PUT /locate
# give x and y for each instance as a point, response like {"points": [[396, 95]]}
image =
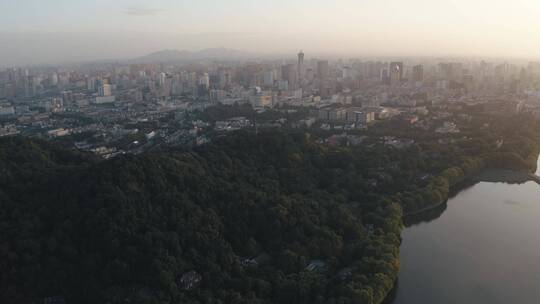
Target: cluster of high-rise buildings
{"points": [[108, 102], [277, 79], [300, 81]]}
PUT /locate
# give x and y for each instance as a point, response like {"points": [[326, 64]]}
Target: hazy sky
{"points": [[36, 31]]}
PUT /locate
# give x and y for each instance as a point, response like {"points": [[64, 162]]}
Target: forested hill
{"points": [[268, 218]]}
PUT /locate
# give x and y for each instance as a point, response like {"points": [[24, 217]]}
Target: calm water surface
{"points": [[482, 247]]}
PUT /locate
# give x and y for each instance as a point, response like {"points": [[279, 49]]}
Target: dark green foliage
{"points": [[126, 230], [520, 144]]}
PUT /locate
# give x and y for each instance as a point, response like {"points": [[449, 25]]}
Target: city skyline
{"points": [[69, 31], [269, 152]]}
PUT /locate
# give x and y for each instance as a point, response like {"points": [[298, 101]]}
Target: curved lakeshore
{"points": [[488, 175], [459, 254], [490, 167], [507, 176]]}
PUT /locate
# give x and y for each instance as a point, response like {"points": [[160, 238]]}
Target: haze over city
{"points": [[65, 31], [269, 152]]}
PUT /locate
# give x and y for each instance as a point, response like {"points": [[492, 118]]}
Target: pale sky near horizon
{"points": [[40, 31]]}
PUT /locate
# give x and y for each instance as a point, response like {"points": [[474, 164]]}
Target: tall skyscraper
{"points": [[323, 69], [418, 73], [288, 73], [396, 73], [385, 78], [225, 78], [268, 78], [300, 68], [162, 79], [91, 84], [204, 81]]}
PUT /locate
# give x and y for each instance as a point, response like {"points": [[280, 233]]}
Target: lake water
{"points": [[483, 246]]}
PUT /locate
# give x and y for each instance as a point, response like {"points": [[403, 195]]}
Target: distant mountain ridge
{"points": [[184, 55]]}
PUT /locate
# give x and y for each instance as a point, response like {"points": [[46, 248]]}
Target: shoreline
{"points": [[485, 174]]}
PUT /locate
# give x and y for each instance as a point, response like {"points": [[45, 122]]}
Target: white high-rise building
{"points": [[105, 90], [204, 80], [162, 79]]}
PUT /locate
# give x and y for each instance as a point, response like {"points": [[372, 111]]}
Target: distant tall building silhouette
{"points": [[288, 73], [418, 73], [162, 79], [396, 73], [300, 68], [323, 70], [385, 78]]}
